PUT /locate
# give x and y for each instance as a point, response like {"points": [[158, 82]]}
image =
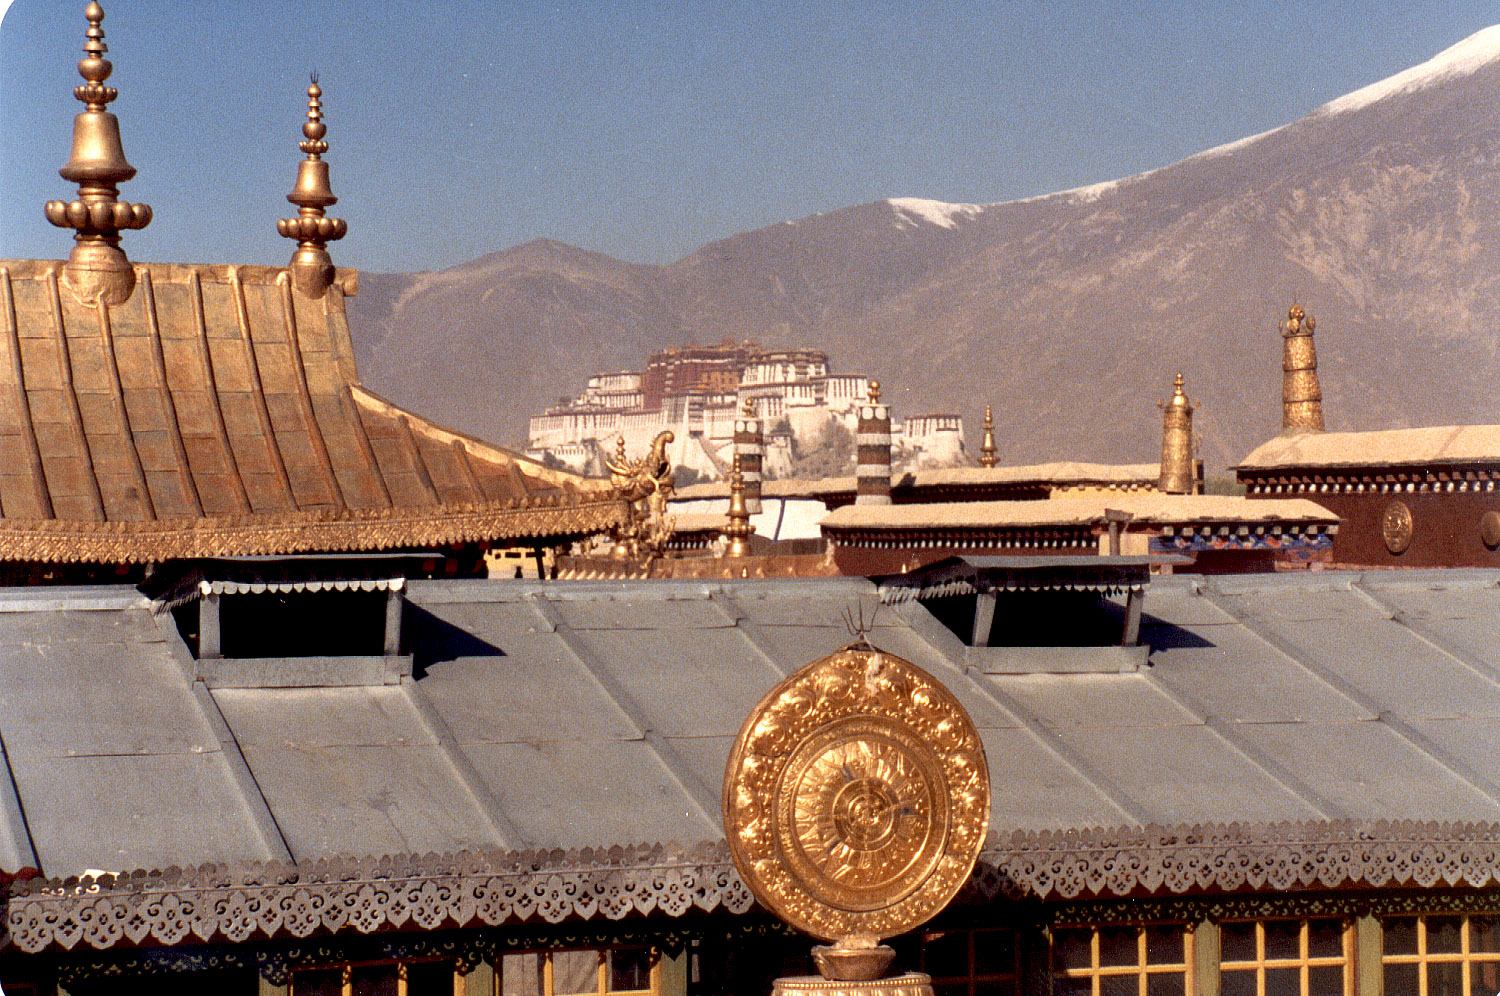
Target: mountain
{"points": [[1380, 212]]}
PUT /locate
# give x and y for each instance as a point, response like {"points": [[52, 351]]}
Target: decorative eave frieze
{"points": [[494, 889], [156, 540], [967, 538], [1369, 480]]}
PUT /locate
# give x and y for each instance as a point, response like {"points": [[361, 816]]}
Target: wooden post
{"points": [[209, 645], [984, 618], [1133, 602], [393, 598], [1369, 979], [1206, 979]]}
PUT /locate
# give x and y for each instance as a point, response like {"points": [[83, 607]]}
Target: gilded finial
{"points": [[1178, 473], [748, 408], [739, 529], [987, 447], [311, 266], [97, 268], [874, 389]]}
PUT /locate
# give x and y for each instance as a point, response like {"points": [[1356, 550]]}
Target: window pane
{"points": [[629, 968], [521, 974], [1443, 934], [1484, 934], [1071, 948], [1328, 980], [1072, 987], [1119, 985], [1006, 988], [575, 972], [1401, 979], [322, 982], [994, 952], [1117, 946], [1284, 982], [1164, 945], [1485, 976], [1445, 978], [1166, 984], [1281, 939], [429, 978], [1237, 942], [1399, 935], [1238, 983], [1325, 938], [950, 988], [373, 980], [945, 953]]}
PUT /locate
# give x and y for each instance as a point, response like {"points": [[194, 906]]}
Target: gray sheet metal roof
{"points": [[594, 714]]}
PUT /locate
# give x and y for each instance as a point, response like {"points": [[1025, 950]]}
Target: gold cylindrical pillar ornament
{"points": [[1301, 397], [97, 268], [1178, 473], [987, 447], [311, 267]]}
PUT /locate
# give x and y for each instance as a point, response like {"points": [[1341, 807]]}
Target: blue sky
{"points": [[645, 130]]}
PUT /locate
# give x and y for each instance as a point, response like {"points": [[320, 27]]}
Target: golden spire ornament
{"points": [[97, 268], [739, 529], [311, 266], [1178, 473], [987, 448]]}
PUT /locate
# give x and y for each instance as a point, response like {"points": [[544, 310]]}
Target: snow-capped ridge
{"points": [[1469, 55], [939, 213]]}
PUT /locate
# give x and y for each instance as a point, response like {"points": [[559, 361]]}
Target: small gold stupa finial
{"points": [[874, 390], [748, 408], [311, 266], [1178, 474], [739, 529], [97, 267], [987, 447]]}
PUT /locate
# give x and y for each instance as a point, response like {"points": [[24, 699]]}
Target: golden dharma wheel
{"points": [[857, 796]]}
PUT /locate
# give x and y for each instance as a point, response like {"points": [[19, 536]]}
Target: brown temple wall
{"points": [[1445, 528]]}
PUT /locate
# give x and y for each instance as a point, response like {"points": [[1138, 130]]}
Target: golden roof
{"points": [[216, 412], [1438, 444]]}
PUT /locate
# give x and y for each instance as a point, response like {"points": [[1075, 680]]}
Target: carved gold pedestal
{"points": [[906, 984]]}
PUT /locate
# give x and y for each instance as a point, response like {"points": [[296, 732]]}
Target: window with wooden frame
{"points": [[1287, 958], [971, 962], [380, 978], [580, 972], [1142, 960], [1441, 955]]}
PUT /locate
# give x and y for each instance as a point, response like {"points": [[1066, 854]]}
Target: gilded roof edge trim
{"points": [[472, 889], [65, 541]]}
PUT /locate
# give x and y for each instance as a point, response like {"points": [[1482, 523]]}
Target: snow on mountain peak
{"points": [[940, 213], [1473, 52]]}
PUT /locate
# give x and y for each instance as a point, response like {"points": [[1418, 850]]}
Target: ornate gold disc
{"points": [[1396, 527], [857, 796]]}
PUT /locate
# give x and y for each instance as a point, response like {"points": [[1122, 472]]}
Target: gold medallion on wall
{"points": [[1396, 527], [856, 798], [1489, 529]]}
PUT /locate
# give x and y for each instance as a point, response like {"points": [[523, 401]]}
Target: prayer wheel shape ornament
{"points": [[1301, 397], [856, 801], [1178, 475]]}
